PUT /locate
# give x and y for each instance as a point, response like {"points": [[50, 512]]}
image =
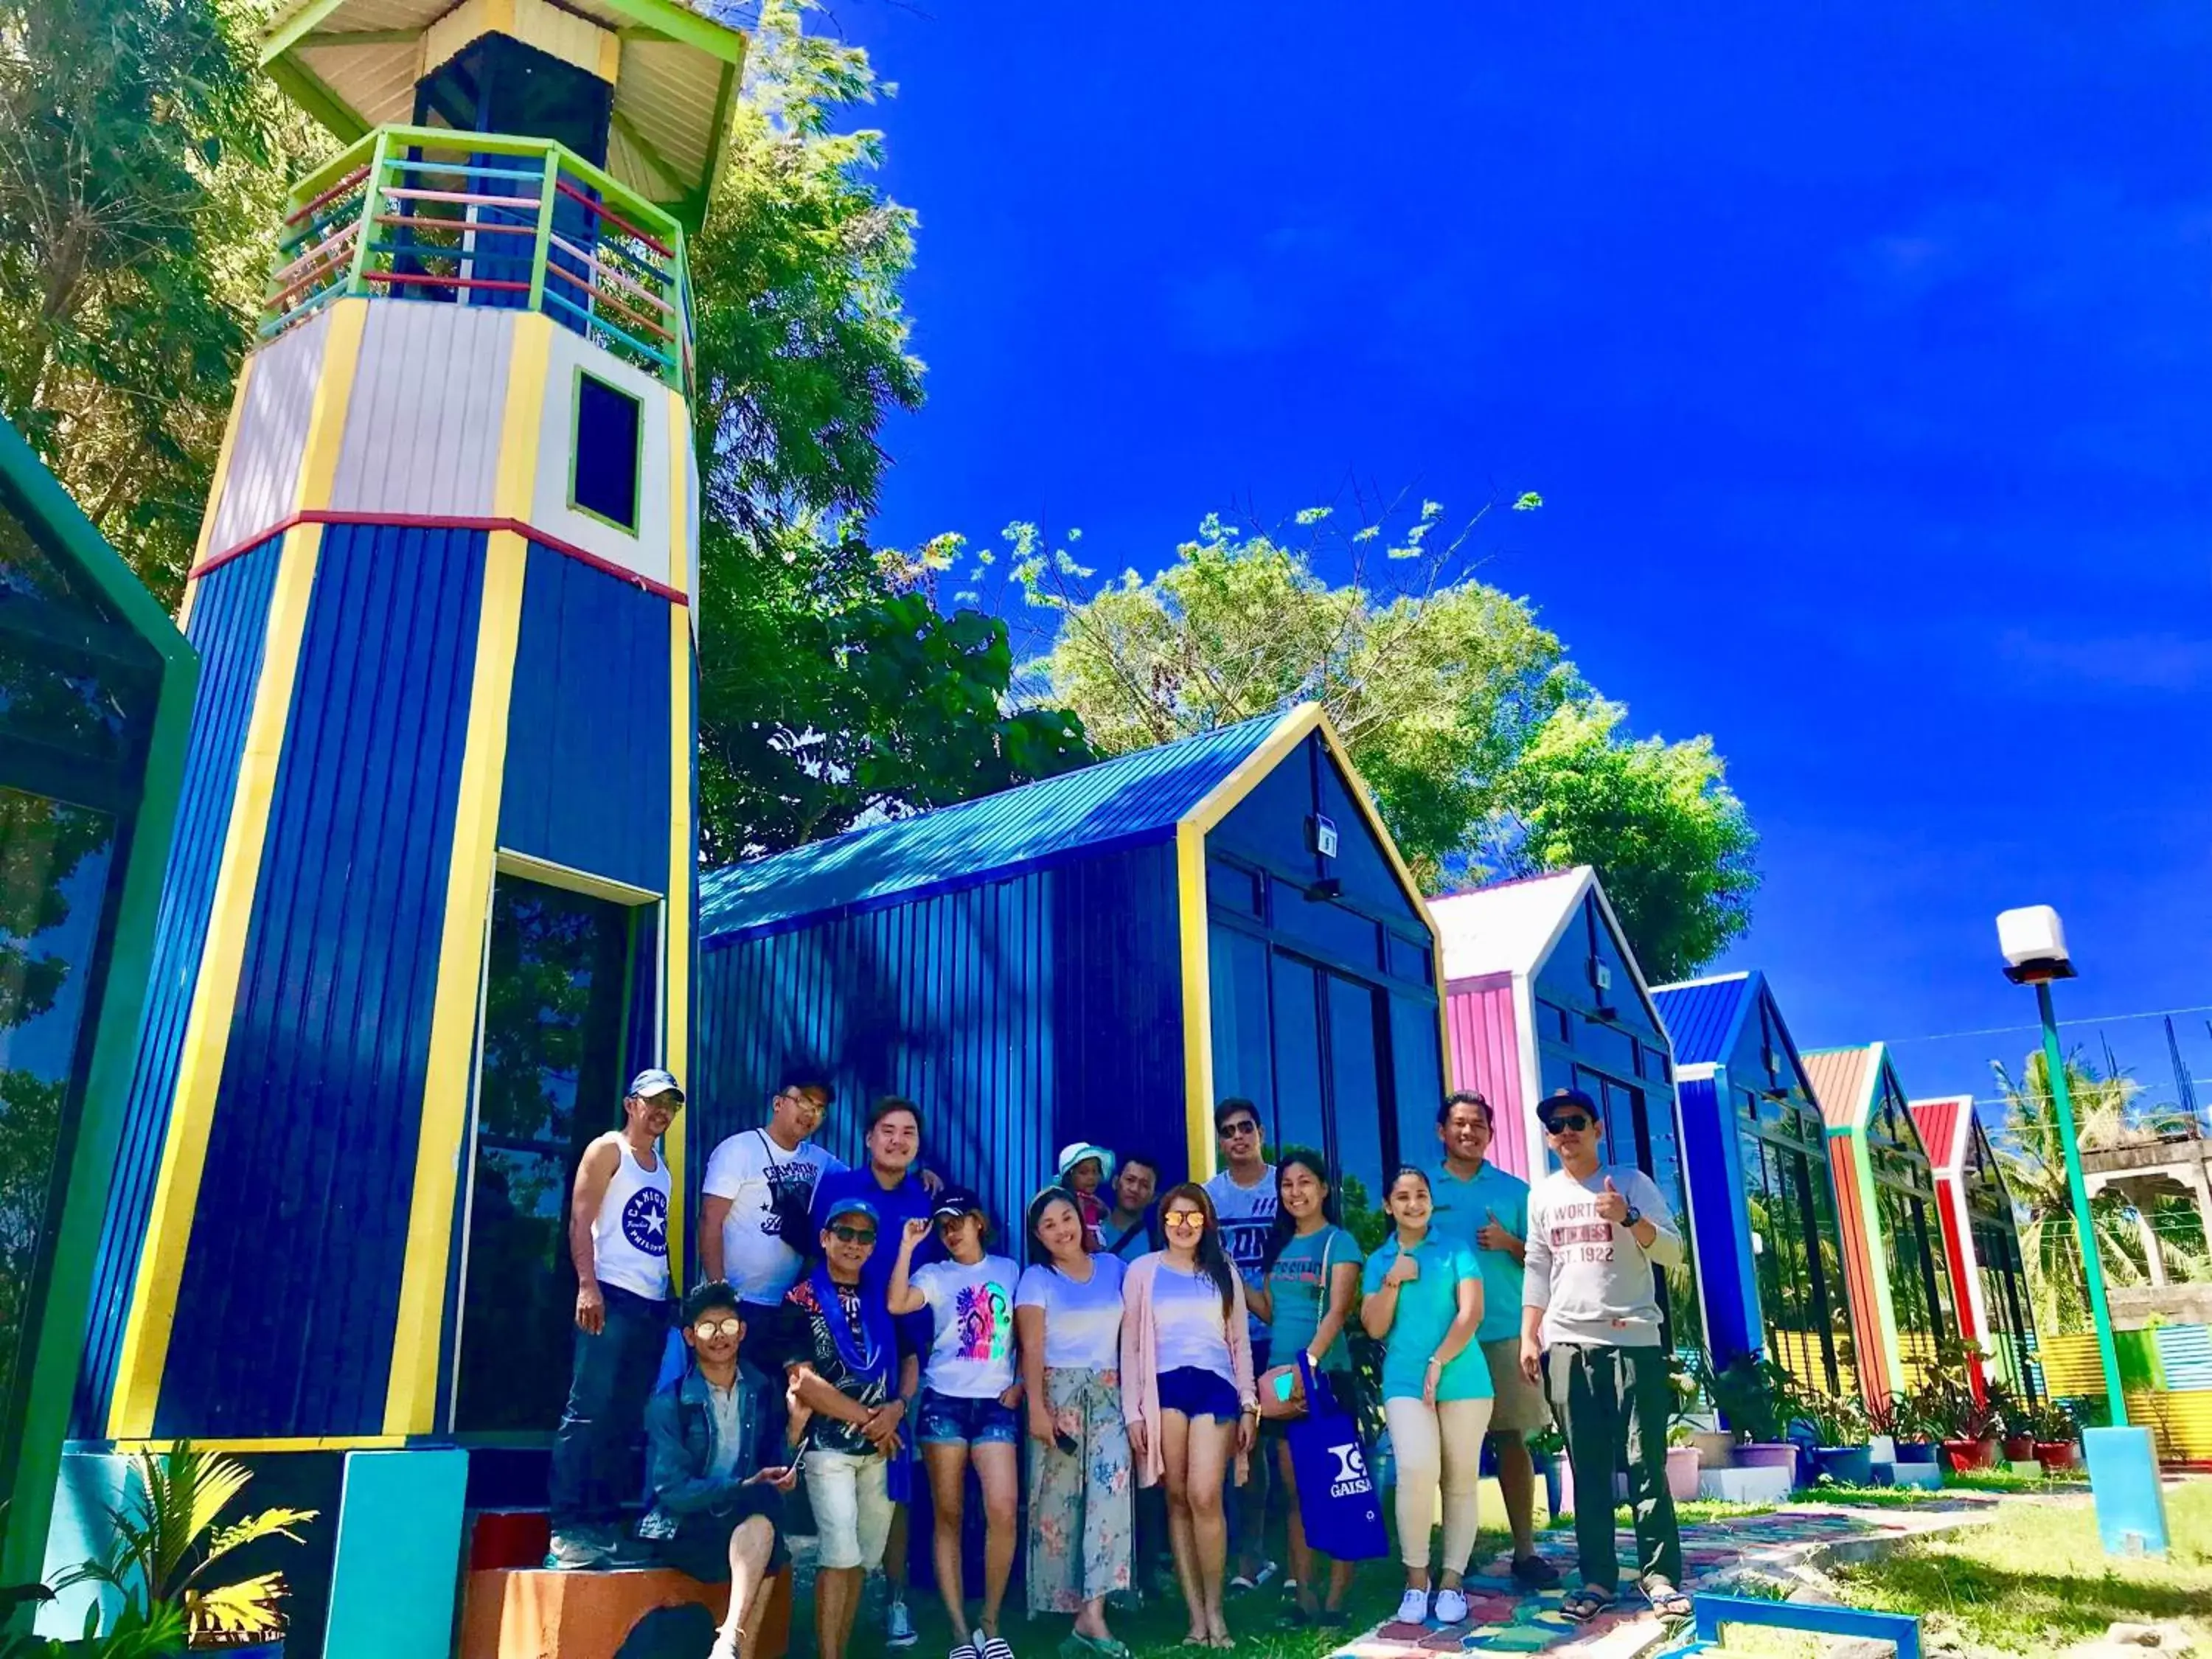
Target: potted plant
{"points": [[2057, 1438], [1548, 1452], [1841, 1452], [1748, 1392], [167, 1537], [1915, 1439], [2014, 1420], [1968, 1443], [1683, 1457]]}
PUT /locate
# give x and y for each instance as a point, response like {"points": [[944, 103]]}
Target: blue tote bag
{"points": [[1338, 1500]]}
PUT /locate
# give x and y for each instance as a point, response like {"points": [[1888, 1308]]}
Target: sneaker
{"points": [[1535, 1572], [1414, 1607], [1452, 1606], [898, 1628], [579, 1549]]}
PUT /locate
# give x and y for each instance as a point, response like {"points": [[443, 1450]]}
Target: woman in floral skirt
{"points": [[1068, 1319]]}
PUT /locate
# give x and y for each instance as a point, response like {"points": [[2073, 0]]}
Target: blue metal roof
{"points": [[1127, 801], [1701, 1016]]}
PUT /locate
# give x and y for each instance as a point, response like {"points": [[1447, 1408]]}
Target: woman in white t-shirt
{"points": [[966, 1411], [1067, 1316]]}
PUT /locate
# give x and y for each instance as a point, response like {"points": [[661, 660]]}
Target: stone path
{"points": [[1503, 1618]]}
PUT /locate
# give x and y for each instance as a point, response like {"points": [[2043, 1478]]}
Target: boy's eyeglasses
{"points": [[1239, 1129], [854, 1234], [730, 1325], [1571, 1123]]}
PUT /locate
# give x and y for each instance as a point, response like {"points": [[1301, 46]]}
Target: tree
{"points": [[831, 687], [139, 179], [1487, 753]]}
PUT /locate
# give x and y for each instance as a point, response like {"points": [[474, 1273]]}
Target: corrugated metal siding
{"points": [[228, 626], [1486, 1057], [1018, 1014], [1959, 1263], [291, 1281], [2185, 1353], [261, 484], [1701, 1017], [1506, 927], [1840, 1081], [422, 427], [1871, 1357], [587, 752], [1938, 1122], [1721, 1226], [1137, 796]]}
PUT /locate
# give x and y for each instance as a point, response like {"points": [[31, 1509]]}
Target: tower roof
{"points": [[353, 66]]}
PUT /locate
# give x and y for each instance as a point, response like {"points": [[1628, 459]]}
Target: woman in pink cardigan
{"points": [[1186, 1391]]}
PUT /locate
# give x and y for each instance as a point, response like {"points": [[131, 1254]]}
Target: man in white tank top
{"points": [[618, 1240]]}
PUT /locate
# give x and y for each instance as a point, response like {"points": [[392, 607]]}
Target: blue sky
{"points": [[1863, 361]]}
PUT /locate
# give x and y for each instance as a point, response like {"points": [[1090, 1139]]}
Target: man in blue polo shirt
{"points": [[1486, 1209]]}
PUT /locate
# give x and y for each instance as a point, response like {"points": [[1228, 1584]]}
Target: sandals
{"points": [[1585, 1604], [1665, 1600]]}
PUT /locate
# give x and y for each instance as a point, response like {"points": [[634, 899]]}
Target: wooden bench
{"points": [[529, 1613]]}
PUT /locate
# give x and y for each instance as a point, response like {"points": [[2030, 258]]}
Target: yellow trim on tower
{"points": [[312, 1442], [676, 913], [153, 1314], [1197, 999], [412, 1395], [216, 486], [547, 873]]}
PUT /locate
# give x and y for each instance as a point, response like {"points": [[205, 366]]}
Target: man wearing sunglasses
{"points": [[1598, 1235], [717, 1470], [1244, 1196]]}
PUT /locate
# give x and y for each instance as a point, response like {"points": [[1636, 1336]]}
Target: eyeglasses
{"points": [[1239, 1129], [852, 1235], [1182, 1220], [1572, 1123], [707, 1329]]}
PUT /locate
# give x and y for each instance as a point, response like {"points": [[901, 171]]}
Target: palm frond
{"points": [[248, 1607], [270, 1523]]}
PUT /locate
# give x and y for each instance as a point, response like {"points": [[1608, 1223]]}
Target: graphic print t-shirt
{"points": [[971, 1357], [815, 1343], [752, 1171], [1591, 1278], [1246, 1216]]}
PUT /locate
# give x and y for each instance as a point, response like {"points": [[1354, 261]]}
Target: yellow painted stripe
{"points": [[412, 1395], [549, 874], [217, 485], [323, 1443], [683, 533], [207, 1029], [1220, 800], [677, 911], [1197, 999], [215, 998]]}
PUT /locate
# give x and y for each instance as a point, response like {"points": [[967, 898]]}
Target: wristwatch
{"points": [[1633, 1216]]}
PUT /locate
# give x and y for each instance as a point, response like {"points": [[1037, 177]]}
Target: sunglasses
{"points": [[1183, 1220], [730, 1325], [1238, 1131], [1570, 1123], [852, 1235]]}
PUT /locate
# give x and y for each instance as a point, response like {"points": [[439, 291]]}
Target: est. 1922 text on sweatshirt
{"points": [[1591, 1278]]}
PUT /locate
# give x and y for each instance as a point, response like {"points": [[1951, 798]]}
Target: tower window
{"points": [[608, 428]]}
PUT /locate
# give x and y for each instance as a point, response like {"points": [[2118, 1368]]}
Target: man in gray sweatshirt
{"points": [[1596, 1233]]}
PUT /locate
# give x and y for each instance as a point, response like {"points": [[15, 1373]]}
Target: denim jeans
{"points": [[595, 1458]]}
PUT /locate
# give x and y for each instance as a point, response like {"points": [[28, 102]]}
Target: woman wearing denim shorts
{"points": [[966, 1411]]}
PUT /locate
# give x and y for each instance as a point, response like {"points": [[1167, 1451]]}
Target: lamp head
{"points": [[2033, 941]]}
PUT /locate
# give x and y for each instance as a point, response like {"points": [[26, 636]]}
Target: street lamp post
{"points": [[2124, 1480]]}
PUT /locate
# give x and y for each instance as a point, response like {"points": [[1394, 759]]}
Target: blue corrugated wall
{"points": [[587, 748], [1019, 1014], [291, 1281], [1722, 1236], [229, 627]]}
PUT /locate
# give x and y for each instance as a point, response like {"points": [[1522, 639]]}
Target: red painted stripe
{"points": [[440, 522], [608, 212], [503, 285], [1955, 1241], [338, 189]]}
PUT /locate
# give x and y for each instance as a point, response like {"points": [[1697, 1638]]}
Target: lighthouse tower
{"points": [[431, 896]]}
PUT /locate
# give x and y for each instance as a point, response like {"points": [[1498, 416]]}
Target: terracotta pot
{"points": [[1682, 1472], [1965, 1456], [2058, 1456], [2019, 1448], [1766, 1454]]}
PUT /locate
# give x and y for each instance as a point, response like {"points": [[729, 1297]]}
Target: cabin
{"points": [[1100, 956], [1542, 992], [1981, 1243], [1759, 1172], [1885, 1188], [95, 699]]}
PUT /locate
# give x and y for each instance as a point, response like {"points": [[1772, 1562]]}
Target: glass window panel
{"points": [[1298, 1120], [1553, 1023], [1233, 888], [1333, 930], [1355, 1082], [1409, 958], [1417, 1063], [1243, 1060], [54, 861], [1606, 1045]]}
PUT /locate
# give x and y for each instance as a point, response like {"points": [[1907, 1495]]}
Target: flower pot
{"points": [[1766, 1454], [1916, 1451], [2058, 1456], [2019, 1448], [1558, 1481], [1682, 1472], [1715, 1448], [1965, 1456], [1848, 1466], [272, 1648]]}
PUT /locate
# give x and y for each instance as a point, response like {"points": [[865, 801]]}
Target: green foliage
{"points": [[1486, 753], [140, 167], [1751, 1393], [169, 1531]]}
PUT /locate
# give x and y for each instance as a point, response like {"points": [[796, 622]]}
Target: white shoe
{"points": [[898, 1626], [1452, 1606], [1414, 1607]]}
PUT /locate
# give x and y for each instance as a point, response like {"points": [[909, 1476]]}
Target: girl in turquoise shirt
{"points": [[1424, 1304]]}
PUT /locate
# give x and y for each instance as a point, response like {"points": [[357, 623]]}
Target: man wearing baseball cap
{"points": [[1598, 1234], [619, 1240]]}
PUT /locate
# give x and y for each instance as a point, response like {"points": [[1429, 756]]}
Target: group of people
{"points": [[856, 1329]]}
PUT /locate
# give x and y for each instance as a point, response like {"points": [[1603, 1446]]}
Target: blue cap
{"points": [[654, 1081], [1567, 1100], [851, 1205]]}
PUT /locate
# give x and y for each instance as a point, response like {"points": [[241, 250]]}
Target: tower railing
{"points": [[433, 216]]}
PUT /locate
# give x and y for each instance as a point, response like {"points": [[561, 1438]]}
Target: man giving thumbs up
{"points": [[1597, 1235]]}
